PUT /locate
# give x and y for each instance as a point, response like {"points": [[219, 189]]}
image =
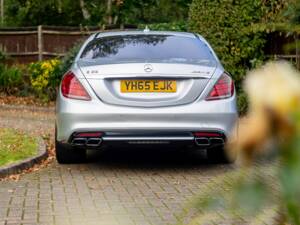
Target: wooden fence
{"points": [[25, 45], [284, 46]]}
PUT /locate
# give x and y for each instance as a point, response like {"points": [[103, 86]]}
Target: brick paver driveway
{"points": [[122, 186]]}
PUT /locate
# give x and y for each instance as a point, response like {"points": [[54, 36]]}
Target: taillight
{"points": [[72, 88], [207, 134], [224, 88], [89, 134]]}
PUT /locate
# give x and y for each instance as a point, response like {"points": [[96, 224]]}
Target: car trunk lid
{"points": [[105, 80]]}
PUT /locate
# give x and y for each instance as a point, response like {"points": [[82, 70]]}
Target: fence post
{"points": [[40, 42]]}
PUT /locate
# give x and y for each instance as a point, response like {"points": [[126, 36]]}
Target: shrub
{"points": [[39, 78], [2, 57], [11, 79], [68, 60], [45, 77], [226, 26]]}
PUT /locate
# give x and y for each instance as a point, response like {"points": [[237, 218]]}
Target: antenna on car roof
{"points": [[146, 29]]}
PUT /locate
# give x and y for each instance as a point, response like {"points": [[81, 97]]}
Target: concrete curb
{"points": [[18, 167]]}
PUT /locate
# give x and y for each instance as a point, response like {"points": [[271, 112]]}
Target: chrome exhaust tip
{"points": [[79, 141], [94, 142], [202, 141], [217, 141]]}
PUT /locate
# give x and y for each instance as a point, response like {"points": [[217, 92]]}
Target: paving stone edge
{"points": [[18, 167]]}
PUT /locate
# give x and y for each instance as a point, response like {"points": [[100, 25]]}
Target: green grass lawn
{"points": [[15, 146]]}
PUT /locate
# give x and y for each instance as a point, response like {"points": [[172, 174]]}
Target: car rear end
{"points": [[145, 89]]}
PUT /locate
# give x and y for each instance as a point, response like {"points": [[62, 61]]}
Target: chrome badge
{"points": [[148, 68]]}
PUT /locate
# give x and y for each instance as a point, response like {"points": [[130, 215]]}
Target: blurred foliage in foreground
{"points": [[272, 134]]}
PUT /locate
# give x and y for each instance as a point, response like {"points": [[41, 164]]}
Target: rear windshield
{"points": [[148, 48]]}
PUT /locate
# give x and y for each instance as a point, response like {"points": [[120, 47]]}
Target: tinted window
{"points": [[148, 48]]}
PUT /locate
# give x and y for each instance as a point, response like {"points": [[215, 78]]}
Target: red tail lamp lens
{"points": [[224, 88], [72, 88], [207, 134], [90, 134]]}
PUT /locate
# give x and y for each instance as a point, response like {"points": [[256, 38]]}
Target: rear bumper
{"points": [[174, 139], [88, 116]]}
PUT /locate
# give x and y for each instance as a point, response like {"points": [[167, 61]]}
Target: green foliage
{"points": [[175, 26], [226, 25], [153, 11], [93, 12], [289, 173], [293, 12], [2, 57], [10, 79], [38, 12], [40, 79], [69, 58], [242, 102], [45, 77]]}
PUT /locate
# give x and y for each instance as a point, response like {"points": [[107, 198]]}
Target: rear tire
{"points": [[67, 155], [219, 155]]}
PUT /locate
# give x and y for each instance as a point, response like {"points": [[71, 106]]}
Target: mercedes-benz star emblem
{"points": [[148, 68]]}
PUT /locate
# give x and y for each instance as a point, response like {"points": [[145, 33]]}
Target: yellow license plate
{"points": [[148, 86]]}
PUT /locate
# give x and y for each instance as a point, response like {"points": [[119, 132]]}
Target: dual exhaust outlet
{"points": [[87, 142], [207, 142]]}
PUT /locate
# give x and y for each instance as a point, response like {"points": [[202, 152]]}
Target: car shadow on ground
{"points": [[141, 158]]}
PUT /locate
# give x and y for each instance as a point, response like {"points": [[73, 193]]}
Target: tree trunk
{"points": [[2, 12], [59, 6], [85, 12], [109, 12]]}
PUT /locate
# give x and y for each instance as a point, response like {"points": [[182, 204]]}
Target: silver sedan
{"points": [[145, 89]]}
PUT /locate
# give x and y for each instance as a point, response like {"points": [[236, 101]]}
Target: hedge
{"points": [[226, 25]]}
